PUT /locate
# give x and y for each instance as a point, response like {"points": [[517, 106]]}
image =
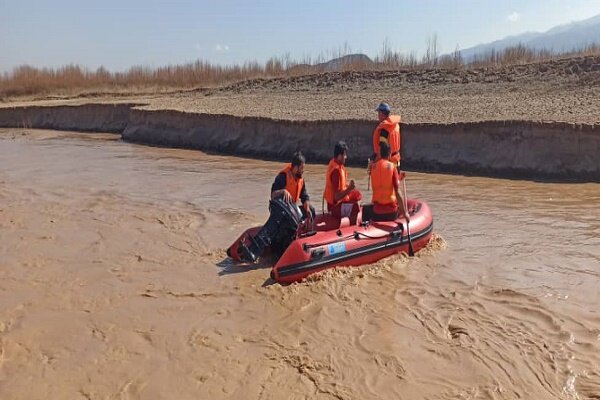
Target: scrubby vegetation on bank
{"points": [[28, 80]]}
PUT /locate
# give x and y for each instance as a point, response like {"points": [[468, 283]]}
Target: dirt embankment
{"points": [[89, 118], [533, 150], [582, 70]]}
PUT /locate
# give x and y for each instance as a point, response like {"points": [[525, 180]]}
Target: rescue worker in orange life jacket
{"points": [[289, 185], [388, 204], [341, 196], [388, 131]]}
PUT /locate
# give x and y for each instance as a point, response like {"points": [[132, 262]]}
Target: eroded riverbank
{"points": [[519, 149]]}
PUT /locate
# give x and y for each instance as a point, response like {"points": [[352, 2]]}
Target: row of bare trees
{"points": [[27, 80]]}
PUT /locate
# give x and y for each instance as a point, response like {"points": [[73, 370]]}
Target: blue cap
{"points": [[384, 108]]}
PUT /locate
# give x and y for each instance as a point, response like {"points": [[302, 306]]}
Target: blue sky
{"points": [[120, 34]]}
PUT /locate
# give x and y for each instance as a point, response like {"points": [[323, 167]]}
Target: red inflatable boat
{"points": [[332, 243]]}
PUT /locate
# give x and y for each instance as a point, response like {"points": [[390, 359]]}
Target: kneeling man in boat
{"points": [[341, 196], [289, 185], [388, 204]]}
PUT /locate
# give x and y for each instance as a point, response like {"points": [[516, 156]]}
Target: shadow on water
{"points": [[268, 282], [228, 266]]}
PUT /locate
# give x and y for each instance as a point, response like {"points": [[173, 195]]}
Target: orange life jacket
{"points": [[382, 174], [329, 188], [292, 185], [392, 125]]}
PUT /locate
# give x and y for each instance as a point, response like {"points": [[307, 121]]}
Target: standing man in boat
{"points": [[290, 186], [341, 196], [388, 131], [388, 204]]}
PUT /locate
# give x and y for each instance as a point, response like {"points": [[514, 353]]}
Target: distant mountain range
{"points": [[337, 64], [559, 39], [350, 59]]}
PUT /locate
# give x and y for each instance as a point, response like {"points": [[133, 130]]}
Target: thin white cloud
{"points": [[514, 17], [222, 47]]}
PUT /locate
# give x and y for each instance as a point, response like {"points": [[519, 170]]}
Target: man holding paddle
{"points": [[388, 203]]}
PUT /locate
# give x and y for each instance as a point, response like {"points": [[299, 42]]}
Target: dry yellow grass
{"points": [[27, 80]]}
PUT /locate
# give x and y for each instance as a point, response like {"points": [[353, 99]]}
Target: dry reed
{"points": [[27, 80]]}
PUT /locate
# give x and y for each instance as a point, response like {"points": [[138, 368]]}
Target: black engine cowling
{"points": [[278, 232]]}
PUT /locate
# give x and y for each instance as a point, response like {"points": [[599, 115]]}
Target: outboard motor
{"points": [[278, 232]]}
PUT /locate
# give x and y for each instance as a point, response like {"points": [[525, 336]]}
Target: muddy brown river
{"points": [[114, 284]]}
